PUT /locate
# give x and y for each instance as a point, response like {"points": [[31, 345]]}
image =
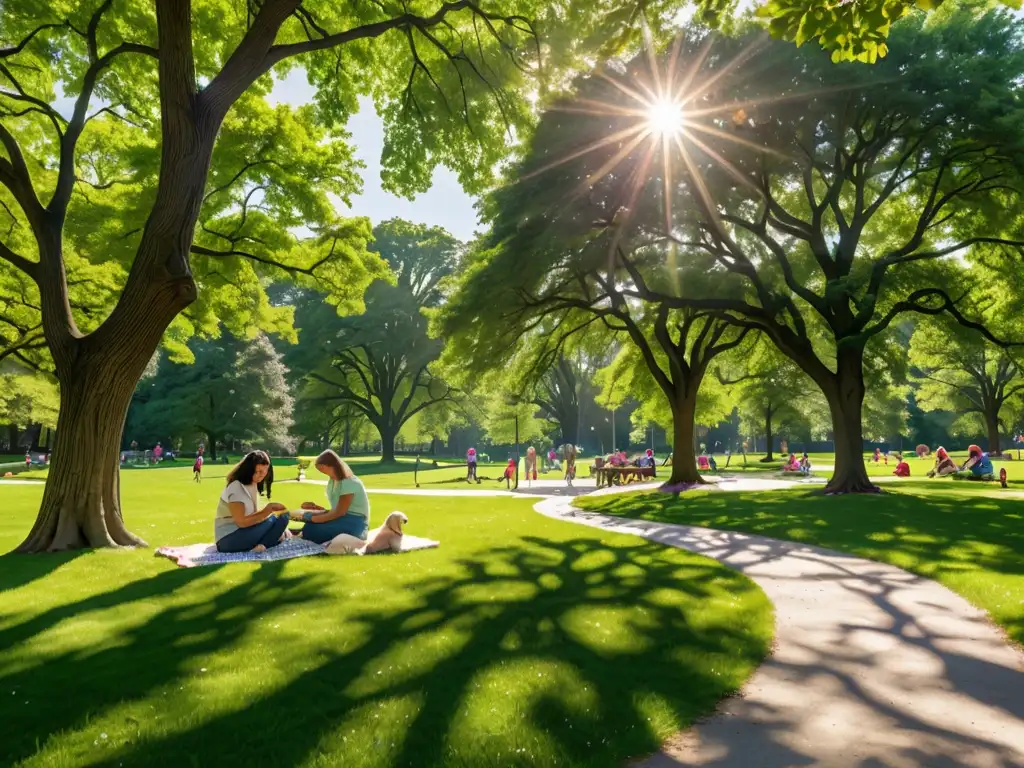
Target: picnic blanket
{"points": [[207, 554], [195, 555]]}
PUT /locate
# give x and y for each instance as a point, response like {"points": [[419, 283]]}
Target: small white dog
{"points": [[388, 536]]}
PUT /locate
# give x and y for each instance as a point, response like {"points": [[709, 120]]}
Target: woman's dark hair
{"points": [[245, 470], [330, 459], [267, 481]]}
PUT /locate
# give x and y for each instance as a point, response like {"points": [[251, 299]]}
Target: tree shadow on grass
{"points": [[598, 651], [933, 528], [17, 570], [63, 690]]}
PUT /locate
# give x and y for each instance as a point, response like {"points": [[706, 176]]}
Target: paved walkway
{"points": [[872, 666]]}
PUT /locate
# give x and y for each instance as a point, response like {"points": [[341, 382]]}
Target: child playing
{"points": [[902, 467], [471, 465], [197, 468], [509, 474]]}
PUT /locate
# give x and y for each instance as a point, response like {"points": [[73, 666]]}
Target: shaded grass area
{"points": [[964, 535], [522, 641]]}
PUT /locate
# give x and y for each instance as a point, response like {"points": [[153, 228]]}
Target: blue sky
{"points": [[444, 205]]}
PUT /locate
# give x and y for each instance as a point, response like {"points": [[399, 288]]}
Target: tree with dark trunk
{"points": [[834, 195], [381, 364], [178, 92], [769, 411], [557, 396], [962, 373], [574, 290]]}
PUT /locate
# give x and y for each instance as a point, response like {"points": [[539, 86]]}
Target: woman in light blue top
{"points": [[349, 510]]}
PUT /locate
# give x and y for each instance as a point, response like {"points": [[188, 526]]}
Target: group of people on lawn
{"points": [[242, 526], [978, 465]]}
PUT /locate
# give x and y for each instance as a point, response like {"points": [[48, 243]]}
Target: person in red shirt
{"points": [[902, 467], [509, 474]]}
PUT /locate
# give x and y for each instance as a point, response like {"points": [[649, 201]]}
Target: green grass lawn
{"points": [[522, 641], [965, 535], [374, 473]]}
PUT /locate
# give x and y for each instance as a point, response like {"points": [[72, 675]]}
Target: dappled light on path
{"points": [[872, 665]]}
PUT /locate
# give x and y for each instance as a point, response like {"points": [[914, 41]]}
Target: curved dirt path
{"points": [[872, 666]]}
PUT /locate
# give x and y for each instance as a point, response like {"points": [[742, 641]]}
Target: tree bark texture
{"points": [[768, 437], [387, 442], [845, 397], [81, 504], [684, 459], [97, 373], [211, 446], [992, 427]]}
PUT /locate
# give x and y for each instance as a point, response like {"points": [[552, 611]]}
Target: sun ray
{"points": [[609, 166], [732, 106], [691, 73], [611, 139], [735, 139], [666, 181], [652, 59], [741, 57], [731, 169], [673, 59], [636, 182], [579, 106], [698, 182], [633, 94]]}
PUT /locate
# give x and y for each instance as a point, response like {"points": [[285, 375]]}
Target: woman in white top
{"points": [[240, 526]]}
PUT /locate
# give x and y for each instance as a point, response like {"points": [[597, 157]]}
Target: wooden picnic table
{"points": [[609, 475]]}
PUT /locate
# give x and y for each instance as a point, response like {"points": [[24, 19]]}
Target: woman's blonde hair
{"points": [[330, 459]]}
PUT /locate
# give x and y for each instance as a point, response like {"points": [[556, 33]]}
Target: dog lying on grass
{"points": [[388, 536]]}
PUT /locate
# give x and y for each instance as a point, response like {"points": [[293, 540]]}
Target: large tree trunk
{"points": [[98, 372], [211, 446], [569, 421], [845, 401], [768, 437], [81, 504], [684, 459], [13, 433], [992, 427], [346, 440], [387, 442]]}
